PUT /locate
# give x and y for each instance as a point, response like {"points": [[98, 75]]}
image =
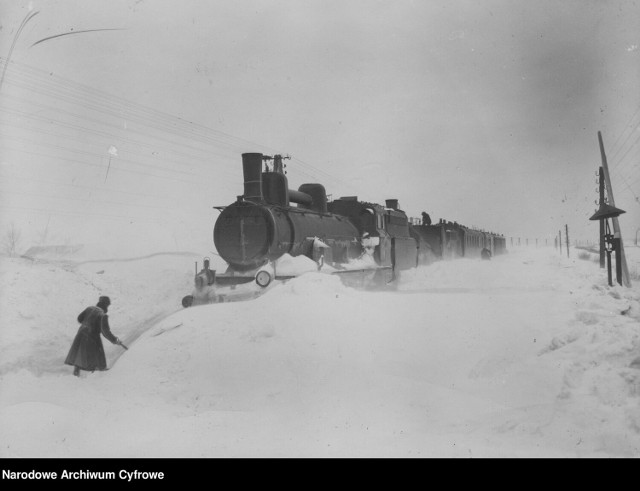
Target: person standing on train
{"points": [[87, 351], [426, 219]]}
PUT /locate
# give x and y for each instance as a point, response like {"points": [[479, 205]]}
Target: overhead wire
{"points": [[621, 159], [75, 185], [120, 159], [615, 147], [186, 128], [114, 126], [77, 198], [82, 162], [112, 138], [98, 100], [627, 169], [84, 213], [139, 120]]}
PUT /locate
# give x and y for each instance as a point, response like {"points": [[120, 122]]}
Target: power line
{"points": [[81, 186], [146, 174], [115, 106], [100, 156], [96, 100], [93, 201], [627, 126], [51, 211], [184, 134], [637, 199], [111, 135], [627, 152]]}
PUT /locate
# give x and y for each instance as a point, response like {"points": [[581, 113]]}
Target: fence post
{"points": [[560, 241]]}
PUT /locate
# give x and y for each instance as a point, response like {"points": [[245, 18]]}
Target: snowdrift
{"points": [[530, 354]]}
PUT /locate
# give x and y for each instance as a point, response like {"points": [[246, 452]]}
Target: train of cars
{"points": [[345, 236]]}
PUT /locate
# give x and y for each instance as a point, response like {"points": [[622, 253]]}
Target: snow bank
{"points": [[40, 301], [527, 355]]}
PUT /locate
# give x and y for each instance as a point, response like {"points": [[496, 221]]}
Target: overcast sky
{"points": [[483, 112]]}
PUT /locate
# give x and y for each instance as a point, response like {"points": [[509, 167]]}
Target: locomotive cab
{"points": [[383, 229]]}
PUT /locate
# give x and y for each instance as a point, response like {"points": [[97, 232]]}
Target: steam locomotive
{"points": [[270, 223]]}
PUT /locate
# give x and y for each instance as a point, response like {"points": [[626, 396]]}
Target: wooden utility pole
{"points": [[560, 241], [620, 256], [566, 237], [601, 202]]}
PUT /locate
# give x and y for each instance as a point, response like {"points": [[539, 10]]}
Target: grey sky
{"points": [[484, 112]]}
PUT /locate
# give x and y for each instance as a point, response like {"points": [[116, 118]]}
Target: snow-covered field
{"points": [[530, 354]]}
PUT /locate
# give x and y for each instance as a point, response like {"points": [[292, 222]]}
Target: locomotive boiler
{"points": [[263, 225]]}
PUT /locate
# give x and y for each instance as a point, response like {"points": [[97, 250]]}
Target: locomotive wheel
{"points": [[263, 278]]}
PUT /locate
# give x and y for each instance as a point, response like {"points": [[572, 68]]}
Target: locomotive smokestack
{"points": [[252, 170], [392, 203]]}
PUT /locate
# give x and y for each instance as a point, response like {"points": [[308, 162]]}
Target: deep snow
{"points": [[530, 354]]}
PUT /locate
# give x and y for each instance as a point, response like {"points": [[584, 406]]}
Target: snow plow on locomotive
{"points": [[269, 225]]}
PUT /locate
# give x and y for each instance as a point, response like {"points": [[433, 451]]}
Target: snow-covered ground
{"points": [[530, 354]]}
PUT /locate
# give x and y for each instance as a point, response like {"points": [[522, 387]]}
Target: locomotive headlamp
{"points": [[263, 278]]}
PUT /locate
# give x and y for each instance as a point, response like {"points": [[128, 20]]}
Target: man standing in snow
{"points": [[87, 352]]}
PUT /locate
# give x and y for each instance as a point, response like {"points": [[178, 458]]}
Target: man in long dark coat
{"points": [[87, 352]]}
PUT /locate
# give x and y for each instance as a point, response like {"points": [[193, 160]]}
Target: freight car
{"points": [[450, 240]]}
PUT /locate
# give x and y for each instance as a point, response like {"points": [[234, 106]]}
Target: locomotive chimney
{"points": [[392, 203], [252, 170]]}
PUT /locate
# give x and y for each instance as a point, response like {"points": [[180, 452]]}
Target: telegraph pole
{"points": [[602, 248], [620, 257], [560, 241], [566, 237]]}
